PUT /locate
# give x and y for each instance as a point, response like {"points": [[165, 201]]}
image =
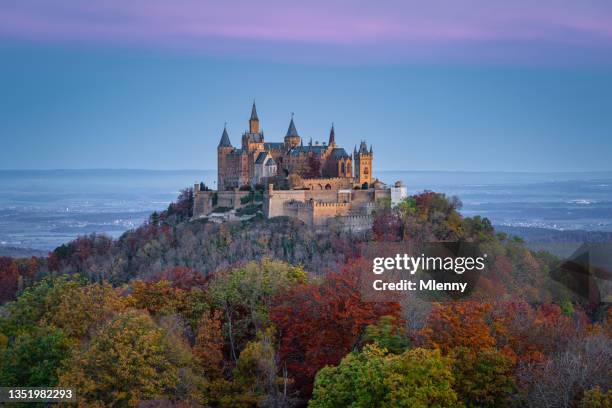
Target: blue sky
{"points": [[106, 97]]}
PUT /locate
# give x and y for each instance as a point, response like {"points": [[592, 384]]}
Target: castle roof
{"points": [[237, 152], [225, 141], [254, 137], [270, 162], [339, 153], [316, 149], [363, 148], [254, 112], [261, 157], [274, 145], [292, 131]]}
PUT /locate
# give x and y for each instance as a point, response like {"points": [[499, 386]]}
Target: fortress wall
{"points": [[329, 196], [379, 194], [203, 201], [322, 212], [357, 222], [334, 183], [274, 201], [362, 196]]}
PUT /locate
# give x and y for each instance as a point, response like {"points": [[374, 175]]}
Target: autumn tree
{"points": [[417, 378], [483, 377], [387, 334], [458, 324], [245, 294], [82, 308], [320, 323], [208, 347], [9, 279], [128, 360]]}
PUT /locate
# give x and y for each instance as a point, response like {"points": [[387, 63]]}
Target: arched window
{"points": [[365, 170], [342, 169], [328, 187]]}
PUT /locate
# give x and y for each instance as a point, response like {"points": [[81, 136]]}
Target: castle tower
{"points": [[363, 164], [223, 150], [292, 138], [254, 121]]}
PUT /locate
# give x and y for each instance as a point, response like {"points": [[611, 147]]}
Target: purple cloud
{"points": [[330, 30]]}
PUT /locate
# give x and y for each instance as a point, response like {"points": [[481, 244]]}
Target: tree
{"points": [[483, 377], [388, 335], [245, 294], [9, 279], [36, 304], [417, 378], [208, 346], [128, 360], [595, 398], [34, 358], [313, 167], [320, 323], [458, 324], [83, 307]]}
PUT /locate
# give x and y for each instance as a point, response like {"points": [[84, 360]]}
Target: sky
{"points": [[459, 85]]}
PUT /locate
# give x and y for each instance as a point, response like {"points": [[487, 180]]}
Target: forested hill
{"points": [[266, 313]]}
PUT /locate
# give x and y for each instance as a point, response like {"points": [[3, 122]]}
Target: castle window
{"points": [[365, 171], [343, 169], [328, 187]]}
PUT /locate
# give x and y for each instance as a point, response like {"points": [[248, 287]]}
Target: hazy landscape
{"points": [[40, 210]]}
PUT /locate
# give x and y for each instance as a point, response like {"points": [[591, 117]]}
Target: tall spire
{"points": [[254, 121], [254, 112], [332, 136], [225, 141], [292, 131]]}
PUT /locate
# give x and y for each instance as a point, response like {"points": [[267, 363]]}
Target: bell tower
{"points": [[363, 165], [254, 121]]}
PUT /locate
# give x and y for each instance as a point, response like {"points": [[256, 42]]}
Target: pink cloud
{"points": [[391, 30]]}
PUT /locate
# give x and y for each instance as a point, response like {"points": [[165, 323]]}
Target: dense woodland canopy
{"points": [[268, 313]]}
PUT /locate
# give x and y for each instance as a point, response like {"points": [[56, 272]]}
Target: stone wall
{"points": [[204, 202]]}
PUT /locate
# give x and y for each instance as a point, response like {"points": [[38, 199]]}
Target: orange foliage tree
{"points": [[458, 324]]}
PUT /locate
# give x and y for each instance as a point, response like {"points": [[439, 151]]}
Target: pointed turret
{"points": [[292, 131], [254, 120], [225, 140], [363, 147], [292, 138], [371, 151], [332, 136]]}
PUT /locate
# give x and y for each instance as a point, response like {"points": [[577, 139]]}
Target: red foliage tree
{"points": [[9, 279], [320, 323], [182, 277]]}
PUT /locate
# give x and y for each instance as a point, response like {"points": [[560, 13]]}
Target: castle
{"points": [[315, 183]]}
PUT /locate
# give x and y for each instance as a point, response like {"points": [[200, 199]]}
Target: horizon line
{"points": [[378, 171]]}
